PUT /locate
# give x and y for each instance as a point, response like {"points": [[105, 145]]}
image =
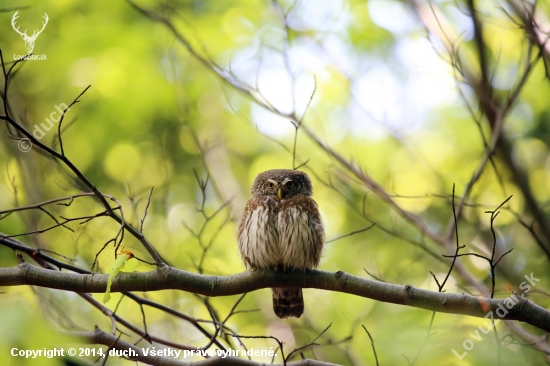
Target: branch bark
{"points": [[170, 278]]}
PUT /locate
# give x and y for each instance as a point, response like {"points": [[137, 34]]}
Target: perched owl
{"points": [[281, 229]]}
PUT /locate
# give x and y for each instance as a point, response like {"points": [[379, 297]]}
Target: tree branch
{"points": [[170, 278]]}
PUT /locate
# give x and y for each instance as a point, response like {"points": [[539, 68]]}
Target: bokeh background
{"points": [[386, 98]]}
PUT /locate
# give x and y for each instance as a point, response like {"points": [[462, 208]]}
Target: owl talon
{"points": [[276, 268]]}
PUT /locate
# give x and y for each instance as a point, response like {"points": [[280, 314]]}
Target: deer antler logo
{"points": [[29, 40]]}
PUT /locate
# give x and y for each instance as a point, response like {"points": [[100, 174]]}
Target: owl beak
{"points": [[280, 193]]}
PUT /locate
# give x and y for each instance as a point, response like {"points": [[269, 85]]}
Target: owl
{"points": [[281, 229]]}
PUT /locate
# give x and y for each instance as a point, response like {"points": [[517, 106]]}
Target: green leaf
{"points": [[118, 266]]}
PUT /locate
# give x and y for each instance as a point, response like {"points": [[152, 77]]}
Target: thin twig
{"points": [[145, 211], [372, 345]]}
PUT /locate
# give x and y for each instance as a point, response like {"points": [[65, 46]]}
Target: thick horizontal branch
{"points": [[135, 353], [515, 307]]}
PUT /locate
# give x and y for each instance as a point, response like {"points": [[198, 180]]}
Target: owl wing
{"points": [[258, 235], [301, 231]]}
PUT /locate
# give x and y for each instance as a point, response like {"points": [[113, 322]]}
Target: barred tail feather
{"points": [[288, 302]]}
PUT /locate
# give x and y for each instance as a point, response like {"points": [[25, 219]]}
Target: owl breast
{"points": [[281, 233], [259, 235], [301, 233]]}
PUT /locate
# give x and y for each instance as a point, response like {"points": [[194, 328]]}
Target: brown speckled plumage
{"points": [[281, 229]]}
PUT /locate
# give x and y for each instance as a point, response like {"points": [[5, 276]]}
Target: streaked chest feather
{"points": [[272, 235]]}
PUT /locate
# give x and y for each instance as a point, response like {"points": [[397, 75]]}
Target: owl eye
{"points": [[290, 184], [270, 185]]}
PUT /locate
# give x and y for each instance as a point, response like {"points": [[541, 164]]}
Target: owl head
{"points": [[282, 183]]}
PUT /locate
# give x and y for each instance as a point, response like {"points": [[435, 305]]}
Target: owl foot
{"points": [[276, 268]]}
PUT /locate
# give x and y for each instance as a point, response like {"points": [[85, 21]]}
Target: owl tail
{"points": [[288, 302]]}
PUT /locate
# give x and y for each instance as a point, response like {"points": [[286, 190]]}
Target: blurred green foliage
{"points": [[155, 116]]}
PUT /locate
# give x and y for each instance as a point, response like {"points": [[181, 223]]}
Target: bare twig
{"points": [[372, 345], [145, 211], [76, 100]]}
